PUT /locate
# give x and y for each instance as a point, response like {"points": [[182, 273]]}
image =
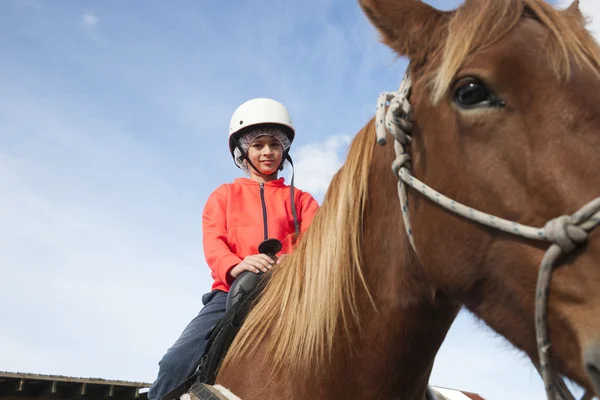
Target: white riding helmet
{"points": [[257, 112]]}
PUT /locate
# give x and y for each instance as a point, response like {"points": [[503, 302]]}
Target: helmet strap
{"points": [[292, 199], [284, 157], [244, 156]]}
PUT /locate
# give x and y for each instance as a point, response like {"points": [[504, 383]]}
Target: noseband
{"points": [[565, 233]]}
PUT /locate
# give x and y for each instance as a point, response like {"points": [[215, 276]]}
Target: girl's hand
{"points": [[255, 263]]}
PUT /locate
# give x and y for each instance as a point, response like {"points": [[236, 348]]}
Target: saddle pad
{"points": [[202, 391]]}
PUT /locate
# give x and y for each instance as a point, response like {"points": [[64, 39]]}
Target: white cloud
{"points": [[89, 23], [89, 20], [317, 162]]}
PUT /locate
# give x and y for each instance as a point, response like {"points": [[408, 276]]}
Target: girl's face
{"points": [[265, 153]]}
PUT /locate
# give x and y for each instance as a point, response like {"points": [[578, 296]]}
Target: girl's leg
{"points": [[183, 357]]}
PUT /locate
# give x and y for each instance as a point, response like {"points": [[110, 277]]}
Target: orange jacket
{"points": [[238, 216]]}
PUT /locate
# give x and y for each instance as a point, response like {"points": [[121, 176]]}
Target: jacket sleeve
{"points": [[219, 256], [309, 208]]}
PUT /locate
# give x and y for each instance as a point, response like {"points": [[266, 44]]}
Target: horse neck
{"points": [[389, 354], [412, 318]]}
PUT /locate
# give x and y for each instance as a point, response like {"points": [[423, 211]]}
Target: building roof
{"points": [[25, 385], [36, 386]]}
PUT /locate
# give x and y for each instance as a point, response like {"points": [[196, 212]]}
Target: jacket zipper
{"points": [[264, 210]]}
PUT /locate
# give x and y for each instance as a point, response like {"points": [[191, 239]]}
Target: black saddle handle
{"points": [[270, 247], [247, 280]]}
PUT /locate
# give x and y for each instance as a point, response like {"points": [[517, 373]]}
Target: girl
{"points": [[237, 217]]}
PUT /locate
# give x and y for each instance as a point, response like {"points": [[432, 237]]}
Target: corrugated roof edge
{"points": [[62, 378]]}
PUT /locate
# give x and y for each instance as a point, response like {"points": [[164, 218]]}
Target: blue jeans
{"points": [[182, 359]]}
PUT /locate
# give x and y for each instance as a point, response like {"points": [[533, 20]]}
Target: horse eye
{"points": [[472, 93]]}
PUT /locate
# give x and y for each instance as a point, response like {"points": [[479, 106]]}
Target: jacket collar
{"points": [[247, 181]]}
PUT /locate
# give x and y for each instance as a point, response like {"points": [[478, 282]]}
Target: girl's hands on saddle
{"points": [[255, 263]]}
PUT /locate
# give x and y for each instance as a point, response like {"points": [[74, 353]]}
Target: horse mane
{"points": [[480, 23], [314, 291]]}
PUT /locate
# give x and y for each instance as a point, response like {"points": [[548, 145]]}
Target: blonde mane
{"points": [[315, 290], [480, 23]]}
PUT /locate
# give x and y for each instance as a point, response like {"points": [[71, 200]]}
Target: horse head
{"points": [[505, 102]]}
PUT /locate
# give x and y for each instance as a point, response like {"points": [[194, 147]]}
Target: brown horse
{"points": [[506, 119]]}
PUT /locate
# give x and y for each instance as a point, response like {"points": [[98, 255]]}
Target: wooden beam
{"points": [[11, 387], [74, 389], [127, 393], [51, 387]]}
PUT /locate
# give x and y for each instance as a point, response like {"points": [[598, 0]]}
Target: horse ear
{"points": [[574, 12], [410, 27]]}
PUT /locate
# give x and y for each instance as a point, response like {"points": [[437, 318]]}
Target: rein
{"points": [[565, 233]]}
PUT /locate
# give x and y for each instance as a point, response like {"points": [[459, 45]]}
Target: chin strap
{"points": [[244, 156]]}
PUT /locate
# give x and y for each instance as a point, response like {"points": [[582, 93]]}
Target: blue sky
{"points": [[113, 125]]}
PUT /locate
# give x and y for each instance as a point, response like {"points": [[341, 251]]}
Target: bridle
{"points": [[565, 233]]}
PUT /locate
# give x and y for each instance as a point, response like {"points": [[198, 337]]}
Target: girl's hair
{"points": [[249, 136]]}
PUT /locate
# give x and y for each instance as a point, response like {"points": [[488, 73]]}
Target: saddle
{"points": [[242, 295], [224, 332]]}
